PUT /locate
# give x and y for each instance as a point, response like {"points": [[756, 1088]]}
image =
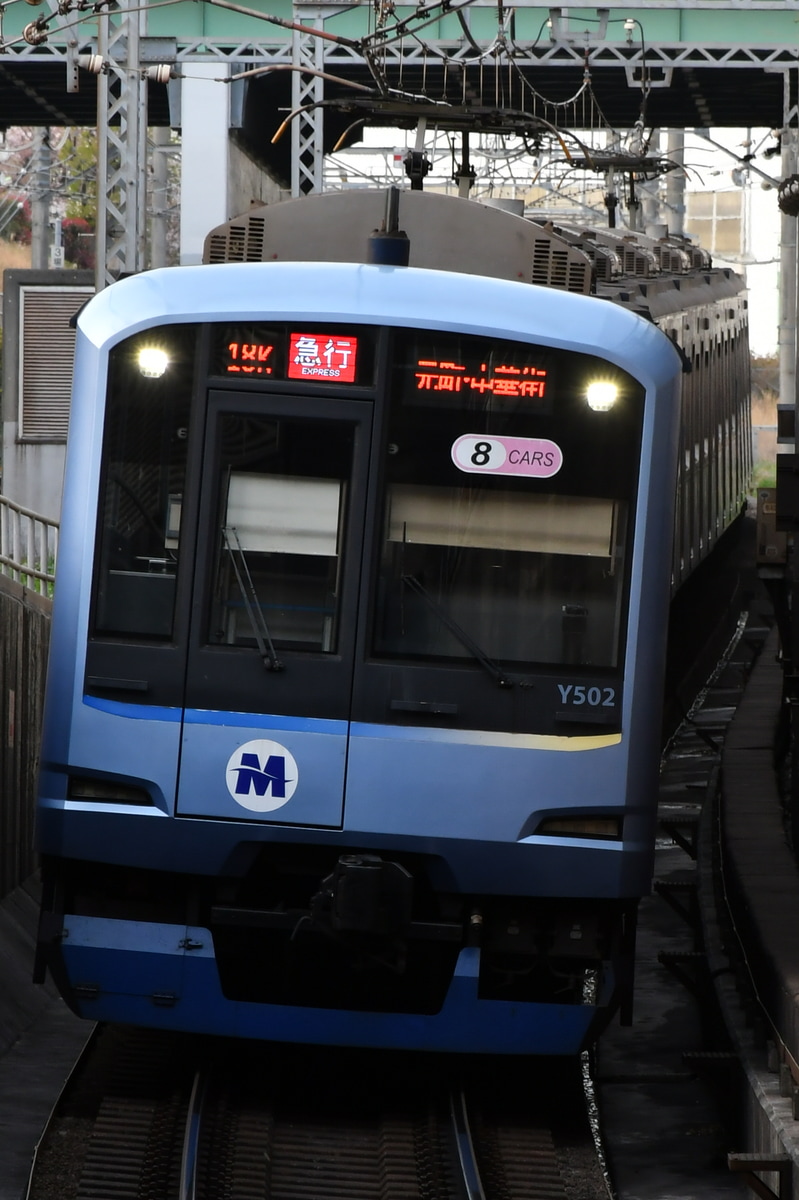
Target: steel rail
{"points": [[191, 1138], [464, 1147]]}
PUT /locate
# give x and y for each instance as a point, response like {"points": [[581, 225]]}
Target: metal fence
{"points": [[24, 640], [28, 547]]}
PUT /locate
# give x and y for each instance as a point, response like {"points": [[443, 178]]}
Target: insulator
{"points": [[161, 73], [93, 63]]}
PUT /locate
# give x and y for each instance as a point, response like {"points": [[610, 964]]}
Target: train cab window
{"points": [[506, 507], [283, 490], [141, 493], [527, 578]]}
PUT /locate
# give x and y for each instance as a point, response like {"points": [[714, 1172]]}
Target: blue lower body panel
{"points": [[166, 976]]}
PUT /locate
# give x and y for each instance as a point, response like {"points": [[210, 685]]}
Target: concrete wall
{"points": [[204, 123], [24, 644], [248, 184], [217, 179]]}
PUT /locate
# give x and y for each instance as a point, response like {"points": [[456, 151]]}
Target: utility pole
{"points": [[41, 197]]}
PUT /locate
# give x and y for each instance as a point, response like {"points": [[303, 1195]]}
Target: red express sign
{"points": [[319, 356]]}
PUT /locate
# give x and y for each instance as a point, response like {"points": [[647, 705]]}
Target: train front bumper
{"points": [[166, 976]]}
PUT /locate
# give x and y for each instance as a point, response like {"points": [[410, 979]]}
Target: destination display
{"points": [[477, 373], [498, 378]]}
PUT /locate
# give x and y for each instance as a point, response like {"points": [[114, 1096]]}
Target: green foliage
{"points": [[765, 373], [77, 163], [78, 160], [765, 394], [764, 475]]}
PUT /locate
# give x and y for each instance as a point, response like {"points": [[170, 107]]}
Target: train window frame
{"points": [[190, 337], [241, 553], [626, 546], [368, 701], [310, 681]]}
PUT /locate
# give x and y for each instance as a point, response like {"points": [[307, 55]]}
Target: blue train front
{"points": [[352, 722]]}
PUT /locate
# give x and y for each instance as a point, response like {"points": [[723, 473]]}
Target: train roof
{"points": [[653, 274], [362, 293], [445, 233]]}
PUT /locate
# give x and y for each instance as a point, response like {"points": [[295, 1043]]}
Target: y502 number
{"points": [[595, 697]]}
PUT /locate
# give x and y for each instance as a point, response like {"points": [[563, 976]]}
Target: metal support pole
{"points": [[307, 92], [789, 349], [675, 182], [789, 362], [788, 276], [648, 192], [159, 200], [40, 200], [122, 145]]}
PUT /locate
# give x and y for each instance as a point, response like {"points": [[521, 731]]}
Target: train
{"points": [[352, 720]]}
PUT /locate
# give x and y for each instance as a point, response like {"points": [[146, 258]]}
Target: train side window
{"points": [[144, 478], [279, 535]]}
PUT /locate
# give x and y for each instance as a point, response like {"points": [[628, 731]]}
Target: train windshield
{"points": [[148, 418], [279, 533], [505, 505], [373, 540]]}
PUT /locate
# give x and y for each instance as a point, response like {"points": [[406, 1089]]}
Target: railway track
{"points": [[148, 1115]]}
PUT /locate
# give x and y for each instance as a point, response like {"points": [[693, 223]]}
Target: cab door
{"points": [[271, 639]]}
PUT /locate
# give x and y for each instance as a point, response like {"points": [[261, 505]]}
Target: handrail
{"points": [[28, 546]]}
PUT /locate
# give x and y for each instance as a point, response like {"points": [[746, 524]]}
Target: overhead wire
{"points": [[386, 31]]}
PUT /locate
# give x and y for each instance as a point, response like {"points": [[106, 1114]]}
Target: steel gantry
{"points": [[121, 144], [649, 47]]}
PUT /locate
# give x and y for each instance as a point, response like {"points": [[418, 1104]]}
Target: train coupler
{"points": [[365, 894]]}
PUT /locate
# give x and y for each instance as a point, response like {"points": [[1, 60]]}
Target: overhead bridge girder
{"points": [[684, 79]]}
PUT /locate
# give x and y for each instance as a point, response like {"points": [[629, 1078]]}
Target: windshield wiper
{"points": [[495, 671], [252, 604]]}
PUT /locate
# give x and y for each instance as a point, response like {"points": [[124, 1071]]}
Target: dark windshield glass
{"points": [[283, 489], [506, 504], [144, 455]]}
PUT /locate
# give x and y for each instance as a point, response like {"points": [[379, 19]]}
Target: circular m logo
{"points": [[261, 776]]}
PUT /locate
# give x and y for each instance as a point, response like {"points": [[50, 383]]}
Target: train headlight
{"points": [[107, 791], [152, 362], [601, 395]]}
